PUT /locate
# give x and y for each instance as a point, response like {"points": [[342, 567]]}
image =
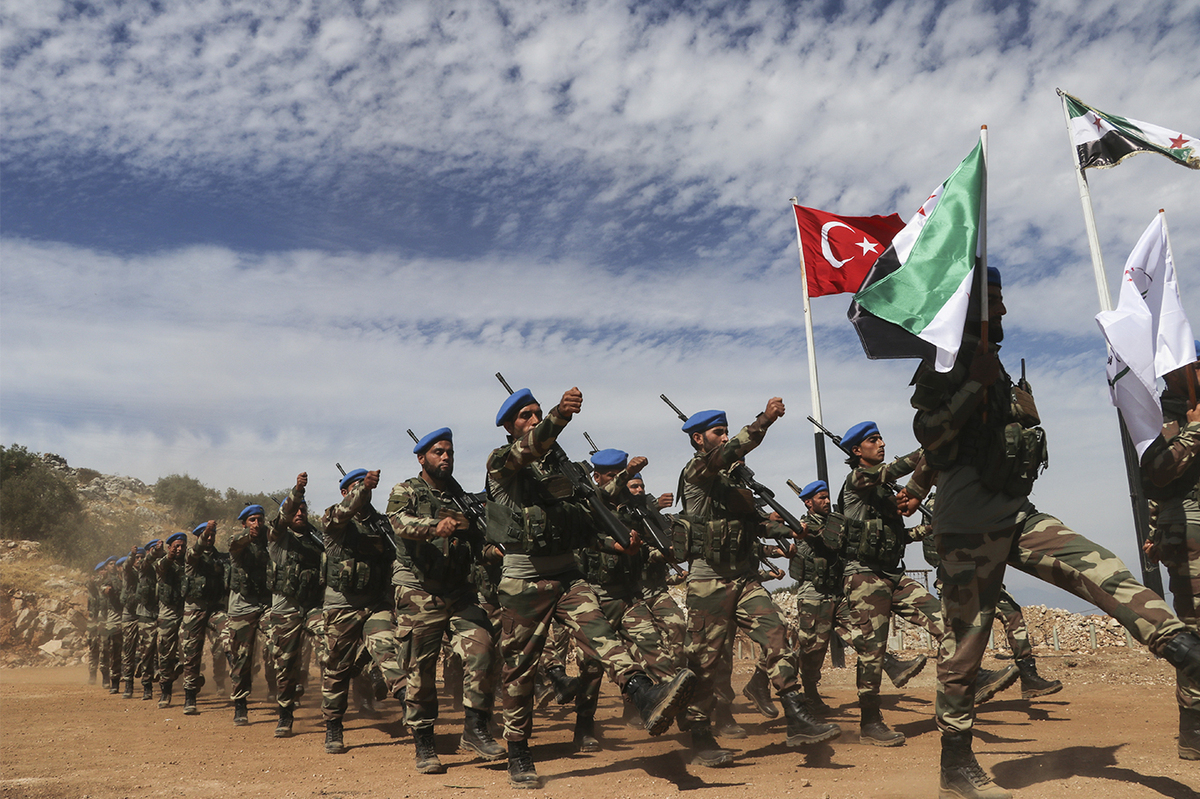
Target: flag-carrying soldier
{"points": [[204, 598], [718, 533], [875, 584], [436, 548], [169, 570], [1171, 474], [295, 550], [535, 514], [358, 610], [249, 601], [147, 611], [981, 434]]}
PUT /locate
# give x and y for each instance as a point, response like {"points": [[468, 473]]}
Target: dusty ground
{"points": [[1110, 733]]}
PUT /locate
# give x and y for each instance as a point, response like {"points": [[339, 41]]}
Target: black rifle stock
{"points": [[891, 485], [583, 488], [379, 522]]}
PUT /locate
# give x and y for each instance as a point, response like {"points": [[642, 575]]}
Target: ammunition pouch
{"points": [[872, 542], [536, 530], [147, 590], [206, 584], [352, 576], [169, 588], [1011, 458]]}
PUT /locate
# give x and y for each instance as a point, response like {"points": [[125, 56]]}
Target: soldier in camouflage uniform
{"points": [[203, 599], [147, 611], [129, 617], [535, 514], [980, 435], [295, 549], [358, 610], [95, 624], [1171, 475], [718, 533], [169, 570], [657, 576], [111, 645], [436, 548], [249, 601], [875, 584]]}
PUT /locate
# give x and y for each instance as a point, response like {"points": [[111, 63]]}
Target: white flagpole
{"points": [[813, 383], [1151, 577]]}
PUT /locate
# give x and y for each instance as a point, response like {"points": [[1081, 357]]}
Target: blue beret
{"points": [[993, 276], [150, 544], [199, 528], [704, 420], [249, 511], [176, 537], [141, 550], [813, 488], [101, 565], [857, 434], [609, 458], [637, 476], [121, 560], [515, 402], [352, 477], [441, 434], [1197, 343]]}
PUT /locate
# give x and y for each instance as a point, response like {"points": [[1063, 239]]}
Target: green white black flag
{"points": [[1104, 140]]}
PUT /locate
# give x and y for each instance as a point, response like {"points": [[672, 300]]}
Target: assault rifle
{"points": [[658, 533], [583, 488], [744, 475], [891, 485], [469, 505], [378, 522], [314, 536]]}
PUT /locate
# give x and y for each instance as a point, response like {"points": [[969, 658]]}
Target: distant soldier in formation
{"points": [[111, 645], [147, 610], [129, 616], [95, 624], [170, 573], [204, 599], [249, 601]]}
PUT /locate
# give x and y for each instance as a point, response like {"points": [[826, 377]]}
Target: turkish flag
{"points": [[839, 250]]}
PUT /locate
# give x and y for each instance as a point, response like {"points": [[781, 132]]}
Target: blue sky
{"points": [[240, 241]]}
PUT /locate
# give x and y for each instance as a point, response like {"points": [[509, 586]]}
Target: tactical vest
{"points": [[1008, 449], [547, 519], [877, 541], [355, 565], [441, 561], [298, 577], [604, 569], [724, 532], [817, 558], [129, 593], [147, 590], [170, 584], [1187, 485], [249, 572], [205, 584]]}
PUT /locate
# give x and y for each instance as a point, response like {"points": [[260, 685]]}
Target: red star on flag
{"points": [[1179, 142], [1098, 122]]}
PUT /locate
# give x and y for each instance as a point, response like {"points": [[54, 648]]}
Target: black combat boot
{"points": [[565, 688], [758, 691], [585, 734], [1189, 733], [724, 723], [1032, 683], [164, 697], [333, 737], [521, 773], [114, 685], [189, 702], [658, 704], [989, 683], [962, 777], [810, 676], [283, 728], [816, 705], [802, 728], [476, 737], [147, 691], [871, 728], [707, 751], [427, 759], [1183, 652], [901, 671], [129, 688], [240, 718]]}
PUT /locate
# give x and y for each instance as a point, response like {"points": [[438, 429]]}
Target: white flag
{"points": [[1148, 334]]}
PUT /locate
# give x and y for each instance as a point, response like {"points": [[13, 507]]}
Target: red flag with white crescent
{"points": [[840, 250]]}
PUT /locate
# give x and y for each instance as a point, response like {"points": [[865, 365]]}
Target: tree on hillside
{"points": [[36, 503], [193, 501]]}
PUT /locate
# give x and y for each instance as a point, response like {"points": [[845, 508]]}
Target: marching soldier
{"points": [[147, 611], [170, 585], [249, 600], [204, 599]]}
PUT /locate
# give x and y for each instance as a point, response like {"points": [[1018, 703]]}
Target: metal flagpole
{"points": [[1151, 576], [813, 385], [981, 247]]}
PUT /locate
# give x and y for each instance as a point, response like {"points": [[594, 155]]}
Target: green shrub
{"points": [[36, 503]]}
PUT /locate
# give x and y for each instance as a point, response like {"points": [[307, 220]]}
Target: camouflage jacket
{"points": [[358, 560], [441, 566], [170, 584], [878, 544], [1170, 466]]}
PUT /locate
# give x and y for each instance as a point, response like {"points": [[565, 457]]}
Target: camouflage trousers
{"points": [[93, 649], [288, 634], [111, 645], [557, 650], [200, 623], [1014, 625], [668, 618], [147, 654], [1179, 550], [529, 607], [345, 629], [422, 619], [170, 621], [717, 608], [244, 630], [818, 616], [1041, 545], [631, 621], [129, 645], [872, 599]]}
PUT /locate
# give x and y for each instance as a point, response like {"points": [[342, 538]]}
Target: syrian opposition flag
{"points": [[1104, 140], [913, 302], [1148, 334], [838, 250]]}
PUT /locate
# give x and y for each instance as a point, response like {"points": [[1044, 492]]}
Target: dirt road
{"points": [[1110, 733]]}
